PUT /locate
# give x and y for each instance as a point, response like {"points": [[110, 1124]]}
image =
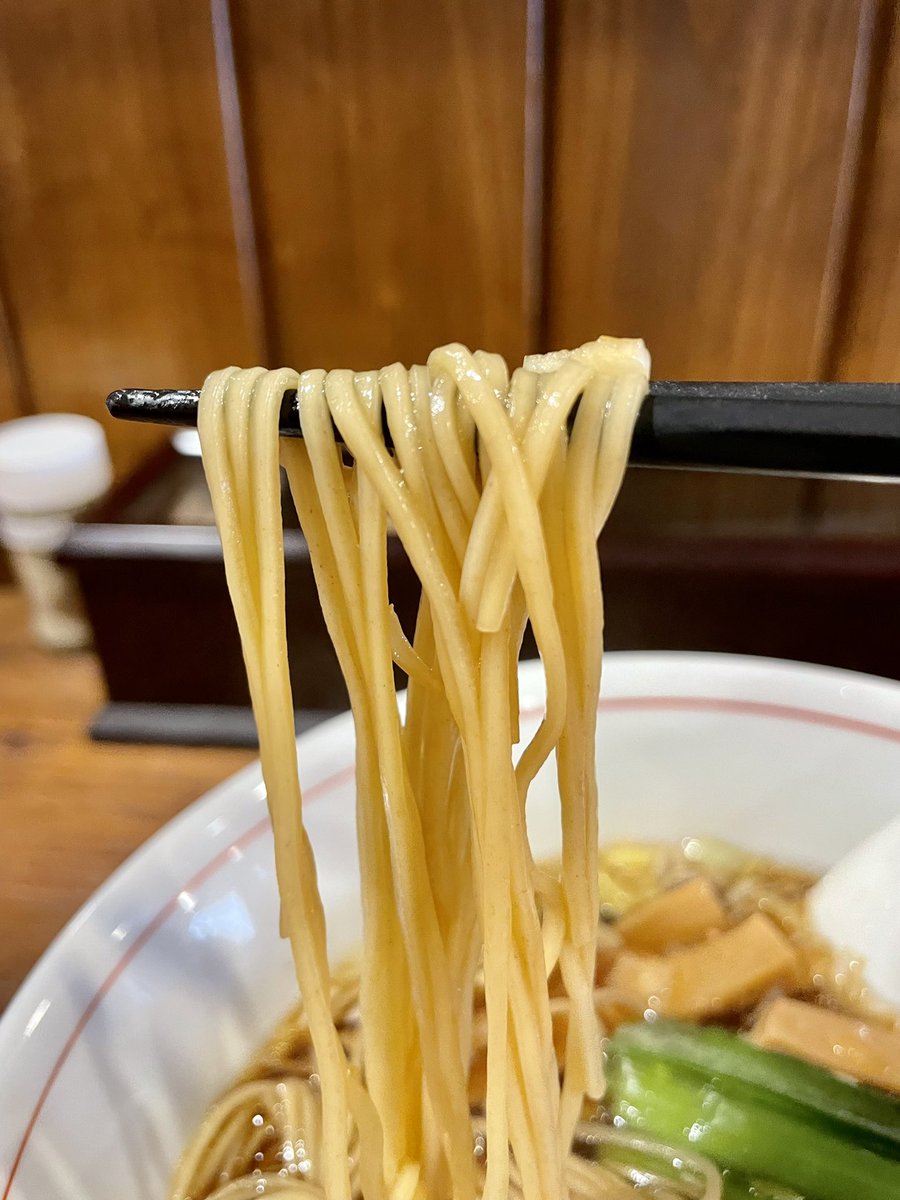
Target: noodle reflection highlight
{"points": [[497, 488]]}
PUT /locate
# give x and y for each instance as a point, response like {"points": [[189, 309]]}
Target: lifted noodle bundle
{"points": [[497, 488]]}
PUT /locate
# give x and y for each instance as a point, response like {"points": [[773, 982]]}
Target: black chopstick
{"points": [[795, 428]]}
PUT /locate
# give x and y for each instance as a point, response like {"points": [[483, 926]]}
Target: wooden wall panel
{"points": [[702, 151], [8, 408], [10, 394], [386, 145], [867, 341], [117, 248]]}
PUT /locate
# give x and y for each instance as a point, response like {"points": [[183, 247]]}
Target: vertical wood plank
{"points": [[8, 406], [14, 398], [865, 342], [386, 144], [867, 339], [116, 240], [242, 215], [696, 182]]}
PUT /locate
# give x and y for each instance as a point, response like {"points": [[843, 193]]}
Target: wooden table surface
{"points": [[70, 809]]}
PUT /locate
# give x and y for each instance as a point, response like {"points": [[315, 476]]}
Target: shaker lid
{"points": [[52, 462]]}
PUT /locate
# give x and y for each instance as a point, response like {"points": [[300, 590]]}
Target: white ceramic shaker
{"points": [[51, 466]]}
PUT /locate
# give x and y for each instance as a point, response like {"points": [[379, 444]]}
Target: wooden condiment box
{"points": [[149, 564]]}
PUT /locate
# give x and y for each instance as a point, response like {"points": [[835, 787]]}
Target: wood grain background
{"points": [[329, 182], [696, 185], [349, 182]]}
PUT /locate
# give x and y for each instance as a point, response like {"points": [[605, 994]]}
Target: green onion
{"points": [[873, 1115], [760, 1114], [639, 1166], [738, 1187]]}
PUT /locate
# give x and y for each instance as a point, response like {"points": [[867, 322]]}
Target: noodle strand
{"points": [[497, 502]]}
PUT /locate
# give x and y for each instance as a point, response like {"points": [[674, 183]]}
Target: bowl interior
{"points": [[156, 992]]}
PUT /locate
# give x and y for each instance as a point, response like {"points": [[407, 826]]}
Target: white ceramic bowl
{"points": [[154, 994]]}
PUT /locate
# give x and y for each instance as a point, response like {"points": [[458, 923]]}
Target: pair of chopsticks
{"points": [[792, 428]]}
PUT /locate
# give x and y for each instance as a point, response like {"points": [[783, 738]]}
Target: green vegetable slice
{"points": [[726, 1059], [759, 1114], [738, 1187]]}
